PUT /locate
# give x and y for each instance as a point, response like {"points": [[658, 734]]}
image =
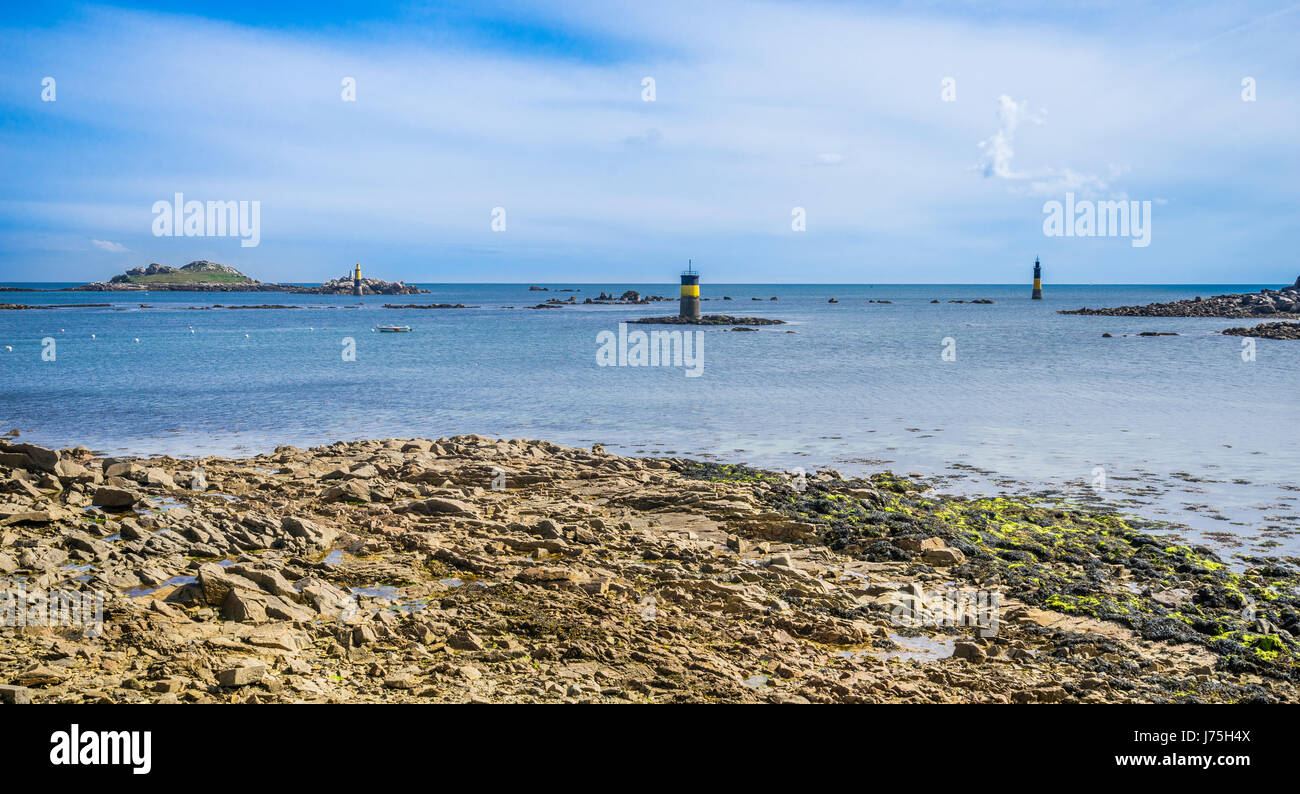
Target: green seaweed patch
{"points": [[1075, 560], [726, 472]]}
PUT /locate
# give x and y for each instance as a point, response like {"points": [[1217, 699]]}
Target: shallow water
{"points": [[1180, 428]]}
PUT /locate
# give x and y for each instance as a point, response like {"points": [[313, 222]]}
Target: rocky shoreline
{"points": [[1268, 302], [477, 569]]}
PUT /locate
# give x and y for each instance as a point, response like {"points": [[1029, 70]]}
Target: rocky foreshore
{"points": [[1267, 302], [476, 569]]}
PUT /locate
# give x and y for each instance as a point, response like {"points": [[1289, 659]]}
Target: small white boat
{"points": [[394, 329]]}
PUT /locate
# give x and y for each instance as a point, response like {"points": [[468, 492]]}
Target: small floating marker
{"points": [[245, 336], [137, 340], [10, 348], [92, 336]]}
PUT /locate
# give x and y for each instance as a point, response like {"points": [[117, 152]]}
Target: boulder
{"points": [[317, 534], [32, 456], [216, 584], [243, 606], [944, 557], [451, 507], [970, 652], [242, 675], [465, 640], [109, 496]]}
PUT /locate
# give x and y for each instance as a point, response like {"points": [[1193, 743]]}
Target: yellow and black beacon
{"points": [[690, 306], [1038, 280]]}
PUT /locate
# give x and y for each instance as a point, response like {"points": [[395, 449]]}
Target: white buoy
{"points": [[9, 348], [137, 340], [245, 336], [92, 336]]}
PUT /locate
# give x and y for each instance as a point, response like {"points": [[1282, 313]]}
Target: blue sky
{"points": [[760, 108]]}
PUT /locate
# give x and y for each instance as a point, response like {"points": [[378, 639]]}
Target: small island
{"points": [[205, 276], [197, 276]]}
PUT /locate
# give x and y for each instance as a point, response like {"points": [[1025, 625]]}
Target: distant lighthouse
{"points": [[356, 280], [1038, 280], [690, 306]]}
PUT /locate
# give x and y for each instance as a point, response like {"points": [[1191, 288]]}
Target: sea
{"points": [[1196, 431]]}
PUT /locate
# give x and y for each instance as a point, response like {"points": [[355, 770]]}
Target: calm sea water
{"points": [[1181, 427]]}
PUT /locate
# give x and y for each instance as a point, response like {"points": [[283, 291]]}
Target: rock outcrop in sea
{"points": [[369, 286], [1267, 302], [1267, 331], [708, 319]]}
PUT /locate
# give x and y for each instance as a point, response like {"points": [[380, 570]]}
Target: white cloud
{"points": [[999, 152], [110, 246], [998, 148]]}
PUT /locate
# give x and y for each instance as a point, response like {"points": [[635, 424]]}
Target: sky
{"points": [[831, 142]]}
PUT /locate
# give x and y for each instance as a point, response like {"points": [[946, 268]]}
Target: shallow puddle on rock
{"points": [[921, 649], [384, 591], [756, 682], [145, 590]]}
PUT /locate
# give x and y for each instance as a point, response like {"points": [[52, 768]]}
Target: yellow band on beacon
{"points": [[690, 290]]}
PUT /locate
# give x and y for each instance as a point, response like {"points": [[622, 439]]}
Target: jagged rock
{"points": [[451, 507], [242, 675], [28, 456], [318, 535]]}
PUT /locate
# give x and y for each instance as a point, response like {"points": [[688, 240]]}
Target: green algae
{"points": [[1071, 559]]}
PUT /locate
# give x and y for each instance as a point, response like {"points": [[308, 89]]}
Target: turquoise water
{"points": [[1032, 400]]}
